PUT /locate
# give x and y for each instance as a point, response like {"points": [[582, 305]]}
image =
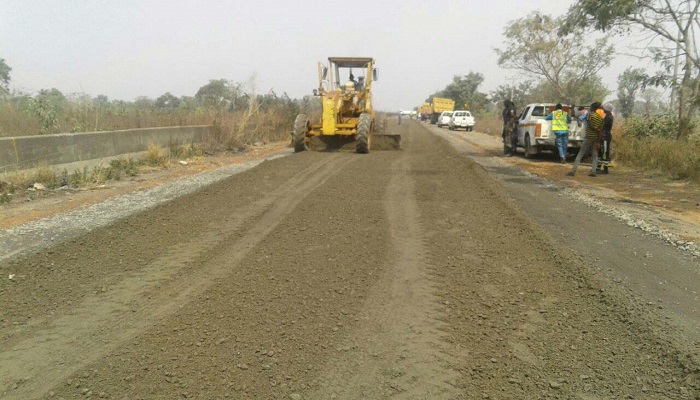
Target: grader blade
{"points": [[332, 143], [377, 142]]}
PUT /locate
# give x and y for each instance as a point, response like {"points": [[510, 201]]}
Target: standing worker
{"points": [[560, 126], [594, 125], [607, 137], [510, 140]]}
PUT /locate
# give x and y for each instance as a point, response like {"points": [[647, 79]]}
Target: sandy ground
{"points": [[409, 274]]}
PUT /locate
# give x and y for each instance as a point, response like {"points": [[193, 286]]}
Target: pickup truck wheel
{"points": [[528, 146]]}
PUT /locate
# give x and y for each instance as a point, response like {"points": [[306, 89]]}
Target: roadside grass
{"points": [[16, 120], [156, 155], [677, 159], [233, 132], [32, 181], [263, 121], [489, 124]]}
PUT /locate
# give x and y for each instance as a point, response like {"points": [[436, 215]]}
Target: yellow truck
{"points": [[425, 110], [438, 106]]}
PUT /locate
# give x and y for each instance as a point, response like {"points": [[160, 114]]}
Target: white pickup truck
{"points": [[461, 119], [535, 133]]}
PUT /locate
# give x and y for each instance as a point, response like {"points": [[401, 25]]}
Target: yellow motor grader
{"points": [[347, 117]]}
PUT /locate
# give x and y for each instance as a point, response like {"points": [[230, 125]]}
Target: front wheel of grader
{"points": [[363, 132], [301, 128]]}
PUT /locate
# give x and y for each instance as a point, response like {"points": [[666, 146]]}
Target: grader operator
{"points": [[347, 117]]}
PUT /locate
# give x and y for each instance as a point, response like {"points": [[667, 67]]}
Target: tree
{"points": [[670, 23], [101, 101], [4, 76], [586, 93], [168, 102], [534, 46], [652, 101], [519, 93], [46, 106], [628, 84], [464, 89], [144, 103], [591, 90], [219, 93]]}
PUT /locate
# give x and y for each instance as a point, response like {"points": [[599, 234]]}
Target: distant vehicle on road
{"points": [[444, 119], [438, 106], [462, 119]]}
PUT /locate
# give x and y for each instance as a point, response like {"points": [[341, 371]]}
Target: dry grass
{"points": [[677, 159], [15, 120], [23, 179], [185, 151], [234, 131], [490, 124], [156, 157]]}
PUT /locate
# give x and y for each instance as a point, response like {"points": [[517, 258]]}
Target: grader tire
{"points": [[363, 128], [301, 127]]}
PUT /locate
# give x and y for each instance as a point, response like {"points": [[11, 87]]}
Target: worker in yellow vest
{"points": [[560, 126]]}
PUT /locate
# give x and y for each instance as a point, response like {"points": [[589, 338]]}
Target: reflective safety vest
{"points": [[559, 121]]}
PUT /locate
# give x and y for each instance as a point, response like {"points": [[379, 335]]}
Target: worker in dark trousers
{"points": [[510, 140], [606, 138]]}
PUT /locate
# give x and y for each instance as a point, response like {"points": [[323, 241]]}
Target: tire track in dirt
{"points": [[400, 347], [536, 322], [53, 348], [264, 331], [404, 274]]}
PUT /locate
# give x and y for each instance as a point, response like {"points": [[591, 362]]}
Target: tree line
{"points": [[52, 111]]}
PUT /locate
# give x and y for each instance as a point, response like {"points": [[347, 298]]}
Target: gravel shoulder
{"points": [[407, 274], [627, 242]]}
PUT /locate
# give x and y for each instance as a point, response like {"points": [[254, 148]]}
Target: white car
{"points": [[462, 119], [444, 119]]}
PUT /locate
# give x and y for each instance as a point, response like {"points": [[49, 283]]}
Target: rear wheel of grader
{"points": [[301, 127], [363, 128]]}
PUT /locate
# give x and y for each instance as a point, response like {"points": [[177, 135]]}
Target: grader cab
{"points": [[347, 117]]}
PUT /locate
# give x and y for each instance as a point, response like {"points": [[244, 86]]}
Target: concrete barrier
{"points": [[25, 152]]}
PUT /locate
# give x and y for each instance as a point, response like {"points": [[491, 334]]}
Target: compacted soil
{"points": [[409, 274]]}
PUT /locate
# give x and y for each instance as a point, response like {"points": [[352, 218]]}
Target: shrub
{"points": [[660, 126], [155, 155], [650, 143]]}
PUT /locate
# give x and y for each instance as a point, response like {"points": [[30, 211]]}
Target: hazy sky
{"points": [[129, 48]]}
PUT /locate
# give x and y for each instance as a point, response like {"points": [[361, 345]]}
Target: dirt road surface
{"points": [[410, 274]]}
